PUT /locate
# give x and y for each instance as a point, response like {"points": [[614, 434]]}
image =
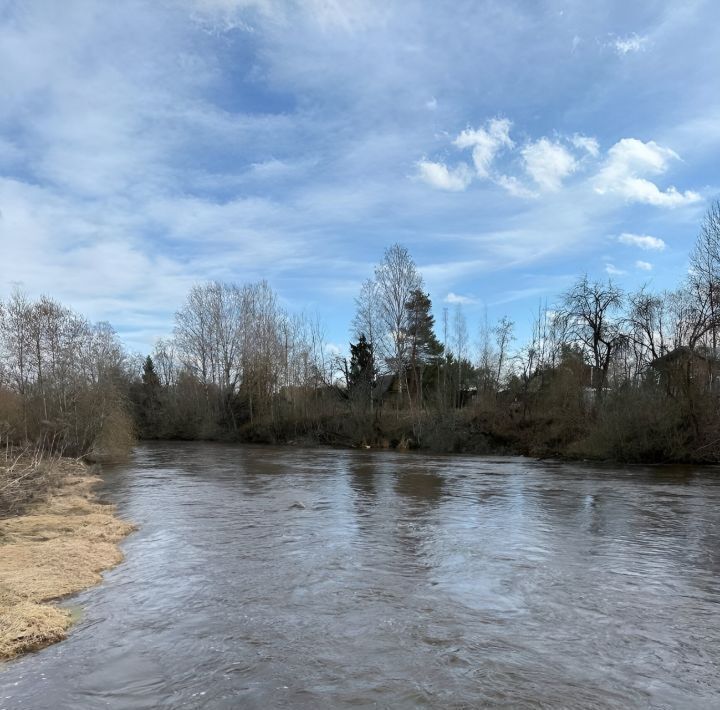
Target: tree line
{"points": [[605, 373], [63, 380]]}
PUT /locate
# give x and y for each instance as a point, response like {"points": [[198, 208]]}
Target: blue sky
{"points": [[149, 145]]}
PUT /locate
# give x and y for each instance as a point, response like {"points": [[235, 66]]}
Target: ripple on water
{"points": [[402, 581]]}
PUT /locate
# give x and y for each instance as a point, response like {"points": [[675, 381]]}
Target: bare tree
{"points": [[590, 310], [396, 277], [647, 327], [460, 348], [487, 360], [68, 374], [692, 317], [503, 332], [366, 319], [165, 360], [704, 274]]}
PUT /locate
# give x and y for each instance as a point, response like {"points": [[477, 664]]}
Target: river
{"points": [[267, 577]]}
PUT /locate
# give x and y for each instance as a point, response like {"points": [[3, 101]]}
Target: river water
{"points": [[290, 578]]}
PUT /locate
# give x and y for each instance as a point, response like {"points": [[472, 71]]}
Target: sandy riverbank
{"points": [[59, 545]]}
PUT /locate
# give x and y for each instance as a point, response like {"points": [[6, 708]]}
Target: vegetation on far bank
{"points": [[605, 374]]}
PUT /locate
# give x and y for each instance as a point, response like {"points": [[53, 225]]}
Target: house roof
{"points": [[382, 385], [679, 353]]}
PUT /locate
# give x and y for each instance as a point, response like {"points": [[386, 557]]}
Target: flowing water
{"points": [[287, 578]]}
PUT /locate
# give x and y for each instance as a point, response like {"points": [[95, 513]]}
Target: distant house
{"points": [[295, 394], [571, 369], [466, 396], [385, 387], [684, 367]]}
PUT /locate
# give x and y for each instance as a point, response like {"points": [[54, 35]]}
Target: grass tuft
{"points": [[58, 546]]}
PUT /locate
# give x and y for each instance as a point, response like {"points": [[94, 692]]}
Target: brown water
{"points": [[405, 581]]}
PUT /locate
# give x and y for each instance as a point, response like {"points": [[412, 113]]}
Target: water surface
{"points": [[287, 578]]}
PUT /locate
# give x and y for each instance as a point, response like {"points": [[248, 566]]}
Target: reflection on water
{"points": [[285, 578]]}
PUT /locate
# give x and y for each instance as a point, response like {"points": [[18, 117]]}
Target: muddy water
{"points": [[285, 578]]}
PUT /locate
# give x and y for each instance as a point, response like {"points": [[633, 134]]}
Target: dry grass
{"points": [[58, 547]]}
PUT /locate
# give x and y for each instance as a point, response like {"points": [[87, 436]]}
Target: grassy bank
{"points": [[55, 539], [627, 428]]}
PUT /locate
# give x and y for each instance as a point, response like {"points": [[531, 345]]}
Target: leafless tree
{"points": [[590, 310], [704, 274], [67, 373], [396, 277], [503, 332], [366, 319], [647, 327]]}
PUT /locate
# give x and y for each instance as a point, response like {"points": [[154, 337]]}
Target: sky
{"points": [[147, 145]]}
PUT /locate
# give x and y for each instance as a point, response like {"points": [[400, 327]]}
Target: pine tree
{"points": [[361, 375], [423, 347], [150, 401]]}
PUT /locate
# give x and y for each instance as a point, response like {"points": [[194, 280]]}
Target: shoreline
{"points": [[308, 442], [57, 546]]}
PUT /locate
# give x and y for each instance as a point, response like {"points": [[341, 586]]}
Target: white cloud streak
{"points": [[455, 298], [586, 143], [486, 142], [631, 44], [440, 176], [643, 241]]}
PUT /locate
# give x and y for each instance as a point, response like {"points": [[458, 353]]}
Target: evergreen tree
{"points": [[361, 375], [150, 400], [423, 347]]}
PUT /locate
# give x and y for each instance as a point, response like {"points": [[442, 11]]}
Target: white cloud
{"points": [[440, 176], [642, 240], [643, 265], [486, 143], [627, 161], [633, 153], [514, 186], [613, 270], [586, 143], [455, 298], [432, 104], [630, 44], [548, 163], [640, 190]]}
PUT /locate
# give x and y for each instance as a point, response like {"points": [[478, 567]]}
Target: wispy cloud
{"points": [[643, 265], [246, 139], [643, 241], [486, 142], [454, 298], [630, 44], [444, 178], [587, 143]]}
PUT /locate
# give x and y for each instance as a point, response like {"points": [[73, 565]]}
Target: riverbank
{"points": [[624, 431], [55, 540]]}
